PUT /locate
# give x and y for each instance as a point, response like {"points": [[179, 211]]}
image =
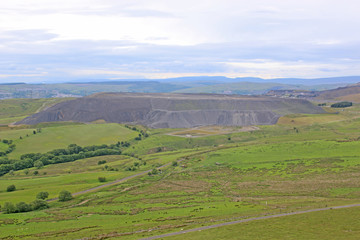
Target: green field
{"points": [[61, 136], [308, 163], [334, 224]]}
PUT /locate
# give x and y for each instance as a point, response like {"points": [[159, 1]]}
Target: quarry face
{"points": [[167, 110]]}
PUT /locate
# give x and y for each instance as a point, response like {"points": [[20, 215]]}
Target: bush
{"points": [[8, 208], [23, 207], [102, 179], [101, 162], [65, 196], [42, 195], [39, 204], [38, 164], [11, 188], [174, 163]]}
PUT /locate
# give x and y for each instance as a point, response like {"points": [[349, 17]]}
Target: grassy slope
{"points": [[350, 98], [61, 136], [335, 224], [272, 170], [12, 110]]}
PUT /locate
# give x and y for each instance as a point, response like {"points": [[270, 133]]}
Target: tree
{"points": [[9, 208], [42, 195], [11, 188], [23, 207], [341, 105], [39, 204], [102, 179], [65, 196], [38, 164]]}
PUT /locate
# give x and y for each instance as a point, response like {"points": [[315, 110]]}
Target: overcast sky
{"points": [[55, 40]]}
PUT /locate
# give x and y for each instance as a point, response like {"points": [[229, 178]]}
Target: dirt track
{"points": [[246, 220]]}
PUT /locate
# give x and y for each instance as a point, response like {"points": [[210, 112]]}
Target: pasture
{"points": [[312, 162]]}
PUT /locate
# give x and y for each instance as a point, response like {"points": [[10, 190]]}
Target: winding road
{"points": [[247, 220]]}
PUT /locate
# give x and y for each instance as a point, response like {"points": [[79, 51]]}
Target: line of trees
{"points": [[38, 204], [341, 105], [70, 154], [10, 148]]}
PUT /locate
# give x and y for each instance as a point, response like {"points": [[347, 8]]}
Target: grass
{"points": [[334, 224], [221, 178], [74, 177], [15, 109], [61, 136]]}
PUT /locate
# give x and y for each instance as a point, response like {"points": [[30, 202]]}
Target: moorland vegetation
{"points": [[168, 182]]}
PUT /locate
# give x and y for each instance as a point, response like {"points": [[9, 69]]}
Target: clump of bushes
{"points": [[154, 172], [37, 204], [102, 179], [72, 153], [101, 162], [11, 188], [42, 195], [109, 168], [65, 196], [341, 105]]}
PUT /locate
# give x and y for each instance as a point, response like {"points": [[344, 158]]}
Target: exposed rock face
{"points": [[173, 110]]}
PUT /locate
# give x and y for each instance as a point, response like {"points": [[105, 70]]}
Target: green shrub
{"points": [[23, 207], [8, 208], [42, 195], [39, 204], [65, 196], [101, 162], [11, 188], [102, 179]]}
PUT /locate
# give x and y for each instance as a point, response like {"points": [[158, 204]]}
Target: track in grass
{"points": [[247, 220]]}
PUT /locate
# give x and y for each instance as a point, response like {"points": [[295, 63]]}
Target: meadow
{"points": [[61, 136], [304, 162]]}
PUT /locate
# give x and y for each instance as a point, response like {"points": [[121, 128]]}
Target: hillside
{"points": [[348, 93], [173, 110], [203, 84]]}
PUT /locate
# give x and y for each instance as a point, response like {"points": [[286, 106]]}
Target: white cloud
{"points": [[182, 37]]}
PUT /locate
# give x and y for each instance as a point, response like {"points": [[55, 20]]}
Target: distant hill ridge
{"points": [[350, 93], [169, 110]]}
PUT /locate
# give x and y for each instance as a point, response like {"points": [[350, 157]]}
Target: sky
{"points": [[65, 40]]}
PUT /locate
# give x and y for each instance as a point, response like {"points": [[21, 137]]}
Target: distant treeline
{"points": [[71, 153], [341, 104]]}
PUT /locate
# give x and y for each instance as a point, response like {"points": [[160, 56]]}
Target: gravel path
{"points": [[247, 220]]}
